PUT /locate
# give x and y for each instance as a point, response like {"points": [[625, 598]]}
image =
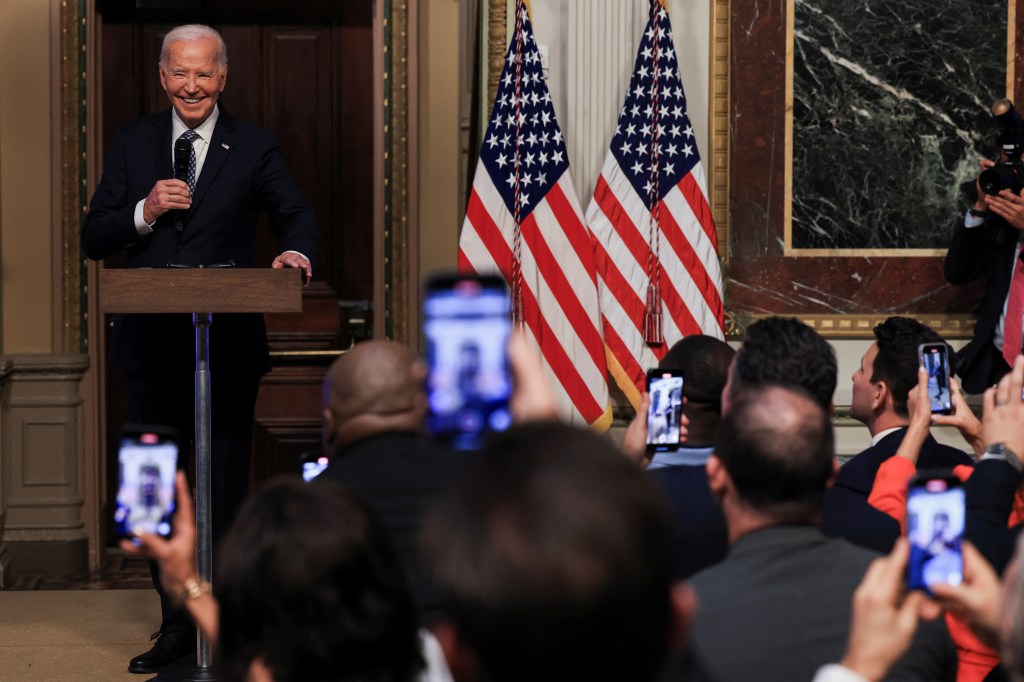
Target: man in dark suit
{"points": [[778, 607], [374, 411], [230, 172], [881, 384], [699, 537], [987, 240]]}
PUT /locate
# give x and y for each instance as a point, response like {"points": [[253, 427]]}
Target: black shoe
{"points": [[170, 647]]}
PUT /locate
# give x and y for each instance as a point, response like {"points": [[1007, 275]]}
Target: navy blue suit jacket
{"points": [[243, 175], [700, 535], [846, 512]]}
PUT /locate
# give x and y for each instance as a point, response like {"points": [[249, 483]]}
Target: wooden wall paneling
{"points": [[352, 239]]}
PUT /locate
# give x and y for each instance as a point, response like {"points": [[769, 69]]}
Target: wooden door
{"points": [[304, 71]]}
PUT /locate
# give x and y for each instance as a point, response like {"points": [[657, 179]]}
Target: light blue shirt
{"points": [[692, 457]]}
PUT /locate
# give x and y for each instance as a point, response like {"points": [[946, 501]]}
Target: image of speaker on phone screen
{"points": [[147, 461], [935, 528], [466, 328]]}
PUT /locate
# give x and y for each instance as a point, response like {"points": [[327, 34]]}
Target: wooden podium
{"points": [[201, 292]]}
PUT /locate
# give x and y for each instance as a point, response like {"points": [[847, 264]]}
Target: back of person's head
{"points": [[552, 552], [777, 445], [309, 587], [897, 361], [705, 364], [375, 387], [786, 351]]}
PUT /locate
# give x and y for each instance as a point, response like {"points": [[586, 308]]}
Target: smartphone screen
{"points": [[313, 464], [935, 359], [147, 462], [466, 327], [665, 386], [935, 528]]}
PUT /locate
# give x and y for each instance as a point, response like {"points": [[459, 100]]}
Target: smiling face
{"points": [[192, 79]]}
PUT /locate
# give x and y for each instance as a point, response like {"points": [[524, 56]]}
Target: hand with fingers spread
{"points": [[884, 616]]}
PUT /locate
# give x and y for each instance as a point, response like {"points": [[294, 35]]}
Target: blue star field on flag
{"points": [[655, 91], [523, 147]]}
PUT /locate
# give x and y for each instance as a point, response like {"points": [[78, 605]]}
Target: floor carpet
{"points": [[74, 635]]}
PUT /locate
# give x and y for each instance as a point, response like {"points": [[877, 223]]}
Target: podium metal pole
{"points": [[204, 526], [201, 672]]}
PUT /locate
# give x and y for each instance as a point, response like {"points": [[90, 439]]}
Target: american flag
{"points": [[654, 237], [525, 221]]}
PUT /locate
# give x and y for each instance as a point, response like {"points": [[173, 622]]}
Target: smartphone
{"points": [[665, 414], [466, 327], [935, 529], [147, 462], [935, 358], [312, 465]]}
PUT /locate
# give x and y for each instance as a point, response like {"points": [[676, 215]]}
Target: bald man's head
{"points": [[777, 444], [375, 387]]}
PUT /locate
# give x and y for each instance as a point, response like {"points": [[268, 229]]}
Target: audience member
{"points": [[994, 505], [986, 242], [374, 407], [784, 590], [784, 351], [887, 372], [552, 553], [699, 536], [307, 588]]}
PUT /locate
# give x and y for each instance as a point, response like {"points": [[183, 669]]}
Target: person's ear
{"points": [[835, 472], [462, 662], [718, 477], [683, 610], [882, 398]]}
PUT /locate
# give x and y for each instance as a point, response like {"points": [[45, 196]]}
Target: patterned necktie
{"points": [[191, 136]]}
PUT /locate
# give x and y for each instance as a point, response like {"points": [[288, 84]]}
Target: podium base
{"points": [[184, 670]]}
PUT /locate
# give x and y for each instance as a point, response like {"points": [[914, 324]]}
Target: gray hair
{"points": [[190, 33]]}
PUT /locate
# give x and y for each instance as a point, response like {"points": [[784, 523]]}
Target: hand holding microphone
{"points": [[172, 194]]}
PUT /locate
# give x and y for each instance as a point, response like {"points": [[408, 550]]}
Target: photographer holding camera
{"points": [[988, 240]]}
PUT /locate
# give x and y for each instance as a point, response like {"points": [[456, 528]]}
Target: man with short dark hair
{"points": [[785, 351], [552, 552], [881, 384], [699, 537]]}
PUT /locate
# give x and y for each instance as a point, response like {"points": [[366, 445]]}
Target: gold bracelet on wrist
{"points": [[194, 588]]}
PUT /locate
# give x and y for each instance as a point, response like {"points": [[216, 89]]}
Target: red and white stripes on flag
{"points": [[654, 237], [525, 221]]}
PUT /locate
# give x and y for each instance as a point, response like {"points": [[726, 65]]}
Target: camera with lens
{"points": [[1008, 173]]}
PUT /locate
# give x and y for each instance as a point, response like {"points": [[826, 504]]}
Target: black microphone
{"points": [[182, 156]]}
